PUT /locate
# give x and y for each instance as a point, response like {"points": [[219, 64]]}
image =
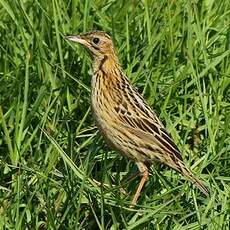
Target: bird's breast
{"points": [[101, 100]]}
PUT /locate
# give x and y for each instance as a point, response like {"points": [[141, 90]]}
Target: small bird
{"points": [[126, 121]]}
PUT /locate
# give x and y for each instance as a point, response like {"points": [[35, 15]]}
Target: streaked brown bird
{"points": [[124, 118]]}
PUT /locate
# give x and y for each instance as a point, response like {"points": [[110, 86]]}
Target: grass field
{"points": [[56, 172]]}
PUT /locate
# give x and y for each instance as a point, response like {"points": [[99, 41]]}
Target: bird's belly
{"points": [[117, 137]]}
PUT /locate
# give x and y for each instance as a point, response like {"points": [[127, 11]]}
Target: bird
{"points": [[128, 124]]}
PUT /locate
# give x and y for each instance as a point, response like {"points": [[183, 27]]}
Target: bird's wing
{"points": [[139, 119], [149, 132]]}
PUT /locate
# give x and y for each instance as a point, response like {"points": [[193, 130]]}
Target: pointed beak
{"points": [[77, 38]]}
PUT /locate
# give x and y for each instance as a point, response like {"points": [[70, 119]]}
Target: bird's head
{"points": [[98, 43]]}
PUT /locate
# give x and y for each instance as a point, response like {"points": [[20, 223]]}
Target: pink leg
{"points": [[145, 174]]}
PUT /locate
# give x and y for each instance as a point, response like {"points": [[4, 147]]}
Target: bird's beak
{"points": [[78, 39]]}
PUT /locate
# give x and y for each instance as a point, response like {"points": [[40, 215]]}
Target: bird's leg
{"points": [[145, 174]]}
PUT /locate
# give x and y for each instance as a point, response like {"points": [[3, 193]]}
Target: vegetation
{"points": [[56, 172]]}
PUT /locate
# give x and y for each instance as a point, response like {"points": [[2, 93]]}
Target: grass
{"points": [[52, 158]]}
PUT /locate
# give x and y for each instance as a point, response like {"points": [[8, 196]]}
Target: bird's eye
{"points": [[96, 41]]}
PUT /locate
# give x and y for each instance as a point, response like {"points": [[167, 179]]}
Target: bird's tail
{"points": [[197, 182]]}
